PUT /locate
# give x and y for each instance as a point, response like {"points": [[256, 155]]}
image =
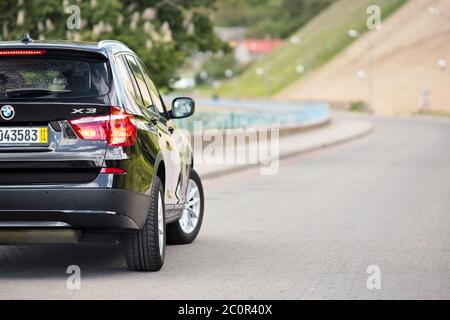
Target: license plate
{"points": [[23, 136]]}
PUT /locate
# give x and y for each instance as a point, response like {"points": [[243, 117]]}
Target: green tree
{"points": [[162, 32], [273, 18]]}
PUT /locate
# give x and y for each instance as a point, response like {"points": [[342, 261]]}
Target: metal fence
{"points": [[256, 114]]}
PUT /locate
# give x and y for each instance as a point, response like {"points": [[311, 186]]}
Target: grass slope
{"points": [[321, 39]]}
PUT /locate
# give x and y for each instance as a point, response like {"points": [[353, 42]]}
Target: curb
{"points": [[284, 131], [217, 174]]}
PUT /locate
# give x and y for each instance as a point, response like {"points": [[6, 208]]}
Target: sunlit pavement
{"points": [[309, 232]]}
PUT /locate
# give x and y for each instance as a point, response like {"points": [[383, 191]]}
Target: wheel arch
{"points": [[161, 172], [160, 169]]}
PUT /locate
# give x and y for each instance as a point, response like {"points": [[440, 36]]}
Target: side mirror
{"points": [[182, 108]]}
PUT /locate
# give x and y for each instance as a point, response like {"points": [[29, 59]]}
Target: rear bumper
{"points": [[104, 210]]}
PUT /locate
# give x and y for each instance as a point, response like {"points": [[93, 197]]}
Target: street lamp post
{"points": [[441, 63], [305, 67], [261, 72], [370, 70], [229, 74], [438, 13], [300, 69]]}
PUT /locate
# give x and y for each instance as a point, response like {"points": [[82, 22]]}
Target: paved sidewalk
{"points": [[338, 131]]}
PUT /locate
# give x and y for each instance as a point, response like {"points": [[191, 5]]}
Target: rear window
{"points": [[67, 77]]}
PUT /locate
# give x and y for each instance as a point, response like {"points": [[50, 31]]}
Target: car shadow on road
{"points": [[52, 261]]}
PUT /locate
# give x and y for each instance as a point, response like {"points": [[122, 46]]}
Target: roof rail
{"points": [[111, 42], [114, 46]]}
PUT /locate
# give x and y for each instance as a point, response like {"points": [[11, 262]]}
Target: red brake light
{"points": [[119, 128], [12, 53]]}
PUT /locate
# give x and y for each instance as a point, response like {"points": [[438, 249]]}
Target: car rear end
{"points": [[57, 126]]}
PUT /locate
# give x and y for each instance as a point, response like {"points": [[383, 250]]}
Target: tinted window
{"points": [[72, 76], [140, 81], [132, 93], [153, 91]]}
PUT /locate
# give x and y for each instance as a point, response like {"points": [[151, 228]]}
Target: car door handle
{"points": [[154, 120], [171, 130], [152, 128]]}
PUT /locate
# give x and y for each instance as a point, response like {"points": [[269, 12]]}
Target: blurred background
{"points": [[234, 55], [323, 72]]}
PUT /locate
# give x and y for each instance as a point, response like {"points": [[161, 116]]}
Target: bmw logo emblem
{"points": [[7, 112]]}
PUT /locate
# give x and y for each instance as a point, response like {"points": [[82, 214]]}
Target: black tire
{"points": [[175, 234], [142, 249]]}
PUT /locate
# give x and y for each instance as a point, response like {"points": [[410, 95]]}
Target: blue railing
{"points": [[256, 114]]}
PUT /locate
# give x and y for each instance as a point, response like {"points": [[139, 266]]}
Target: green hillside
{"points": [[320, 40]]}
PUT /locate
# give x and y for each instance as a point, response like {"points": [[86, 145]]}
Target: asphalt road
{"points": [[309, 232]]}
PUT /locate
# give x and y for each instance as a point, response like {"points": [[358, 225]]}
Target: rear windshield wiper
{"points": [[33, 92]]}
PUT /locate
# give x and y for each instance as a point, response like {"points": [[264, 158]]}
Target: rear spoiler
{"points": [[9, 51]]}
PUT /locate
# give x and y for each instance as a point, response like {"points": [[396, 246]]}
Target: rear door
{"points": [[40, 90], [149, 111], [180, 165]]}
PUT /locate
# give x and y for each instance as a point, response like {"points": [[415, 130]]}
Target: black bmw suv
{"points": [[88, 150]]}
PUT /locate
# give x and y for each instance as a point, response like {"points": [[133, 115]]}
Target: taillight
{"points": [[119, 128], [91, 128], [113, 171], [122, 130], [14, 53]]}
